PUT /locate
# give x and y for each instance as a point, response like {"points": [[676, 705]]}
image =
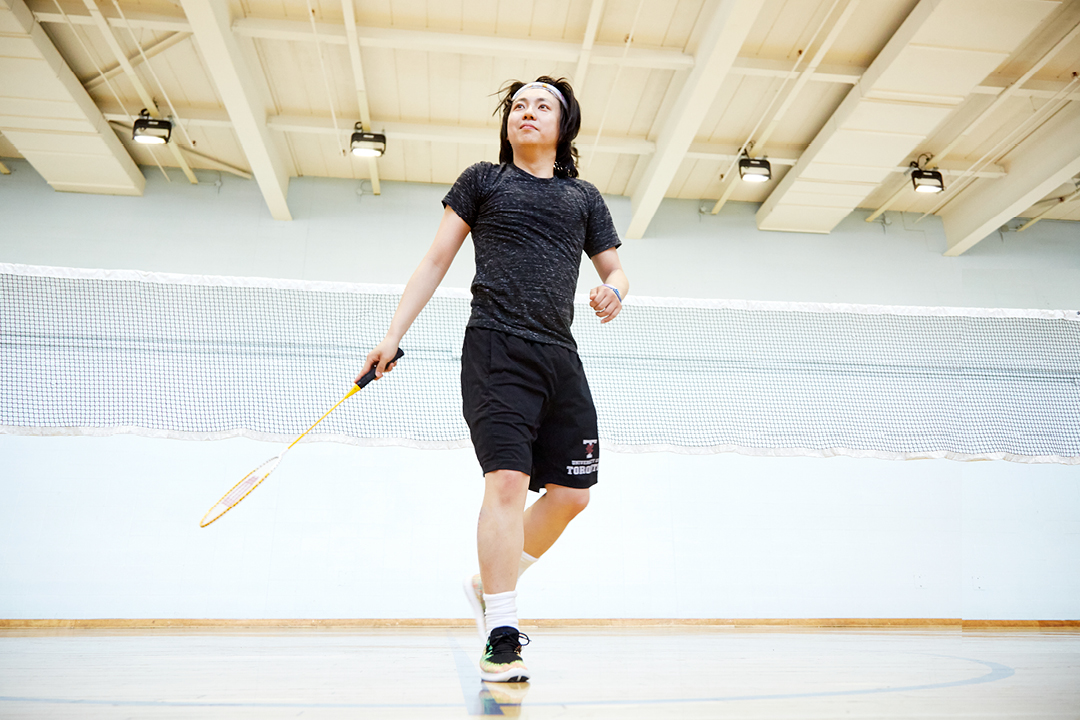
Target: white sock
{"points": [[501, 610], [525, 563]]}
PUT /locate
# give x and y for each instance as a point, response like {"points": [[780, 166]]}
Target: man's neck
{"points": [[538, 162]]}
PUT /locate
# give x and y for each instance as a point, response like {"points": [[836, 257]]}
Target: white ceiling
{"points": [[839, 95]]}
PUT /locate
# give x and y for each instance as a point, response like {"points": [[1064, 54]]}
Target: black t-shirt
{"points": [[528, 234]]}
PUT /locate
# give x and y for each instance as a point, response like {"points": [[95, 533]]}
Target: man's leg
{"points": [[546, 518], [500, 536], [500, 533], [544, 522]]}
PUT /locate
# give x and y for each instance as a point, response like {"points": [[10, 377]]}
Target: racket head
{"points": [[240, 490]]}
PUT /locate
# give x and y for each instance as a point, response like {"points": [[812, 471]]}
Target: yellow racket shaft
{"points": [[251, 481]]}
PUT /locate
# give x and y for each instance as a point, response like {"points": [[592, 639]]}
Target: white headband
{"points": [[543, 86]]}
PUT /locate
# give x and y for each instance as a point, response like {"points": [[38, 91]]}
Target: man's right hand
{"points": [[381, 358]]}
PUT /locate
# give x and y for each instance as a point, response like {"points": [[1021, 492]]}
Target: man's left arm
{"points": [[606, 300]]}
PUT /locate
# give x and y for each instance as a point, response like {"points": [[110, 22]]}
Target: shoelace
{"points": [[507, 641]]}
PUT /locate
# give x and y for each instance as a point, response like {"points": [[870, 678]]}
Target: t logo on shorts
{"points": [[589, 446], [589, 465]]}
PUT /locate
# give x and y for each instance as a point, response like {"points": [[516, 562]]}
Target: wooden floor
{"points": [[620, 673]]}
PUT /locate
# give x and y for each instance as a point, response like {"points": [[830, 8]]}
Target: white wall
{"points": [[108, 527]]}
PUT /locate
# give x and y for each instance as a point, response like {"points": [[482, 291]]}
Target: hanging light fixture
{"points": [[151, 131], [926, 181], [755, 170], [367, 144]]}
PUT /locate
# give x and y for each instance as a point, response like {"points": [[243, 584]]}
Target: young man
{"points": [[525, 396]]}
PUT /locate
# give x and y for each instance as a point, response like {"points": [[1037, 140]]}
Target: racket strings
{"points": [[253, 479], [246, 485]]}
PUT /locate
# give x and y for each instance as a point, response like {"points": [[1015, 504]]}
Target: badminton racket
{"points": [[251, 481]]}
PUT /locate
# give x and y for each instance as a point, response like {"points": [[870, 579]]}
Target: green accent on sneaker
{"points": [[502, 656]]}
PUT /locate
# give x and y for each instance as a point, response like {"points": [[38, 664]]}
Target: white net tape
{"points": [[101, 352]]}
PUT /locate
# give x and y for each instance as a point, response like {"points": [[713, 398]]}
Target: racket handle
{"points": [[370, 374]]}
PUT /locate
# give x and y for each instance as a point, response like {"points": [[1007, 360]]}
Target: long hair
{"points": [[566, 155]]}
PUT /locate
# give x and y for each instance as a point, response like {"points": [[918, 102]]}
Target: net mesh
{"points": [[194, 357]]}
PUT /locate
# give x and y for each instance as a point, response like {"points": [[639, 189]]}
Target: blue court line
{"points": [[997, 672], [475, 703]]}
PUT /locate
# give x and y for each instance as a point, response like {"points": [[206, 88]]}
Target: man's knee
{"points": [[506, 486], [570, 501]]}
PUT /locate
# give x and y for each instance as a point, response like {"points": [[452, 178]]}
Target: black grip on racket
{"points": [[370, 374]]}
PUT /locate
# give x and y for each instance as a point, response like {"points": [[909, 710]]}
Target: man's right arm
{"points": [[431, 271]]}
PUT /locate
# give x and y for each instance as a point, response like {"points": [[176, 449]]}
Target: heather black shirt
{"points": [[528, 234]]}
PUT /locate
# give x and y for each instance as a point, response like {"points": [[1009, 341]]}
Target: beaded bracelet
{"points": [[614, 290]]}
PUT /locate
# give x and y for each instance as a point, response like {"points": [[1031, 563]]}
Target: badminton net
{"points": [[103, 352]]}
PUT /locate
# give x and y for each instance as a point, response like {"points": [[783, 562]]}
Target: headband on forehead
{"points": [[543, 86]]}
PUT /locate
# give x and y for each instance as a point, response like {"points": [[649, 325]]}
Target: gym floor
{"points": [[665, 672]]}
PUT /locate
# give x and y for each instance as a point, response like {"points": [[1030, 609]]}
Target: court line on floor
{"points": [[476, 703], [997, 672]]}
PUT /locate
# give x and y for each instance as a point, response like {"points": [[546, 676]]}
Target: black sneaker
{"points": [[502, 657]]}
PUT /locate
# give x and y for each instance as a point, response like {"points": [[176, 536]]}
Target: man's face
{"points": [[534, 119]]}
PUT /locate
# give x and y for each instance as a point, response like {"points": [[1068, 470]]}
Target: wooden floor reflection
{"points": [[701, 672]]}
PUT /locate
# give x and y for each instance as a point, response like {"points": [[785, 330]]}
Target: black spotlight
{"points": [[927, 181], [151, 131], [367, 144], [755, 170]]}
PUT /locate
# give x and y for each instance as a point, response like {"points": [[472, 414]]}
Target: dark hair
{"points": [[566, 155]]}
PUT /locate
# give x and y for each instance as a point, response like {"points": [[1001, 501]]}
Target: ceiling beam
{"points": [[724, 34], [599, 54], [1048, 157], [66, 139], [1042, 89], [211, 25], [789, 155], [485, 45], [596, 10], [431, 132], [353, 41], [45, 12], [136, 59], [264, 97], [428, 41], [781, 68], [1055, 203], [851, 74]]}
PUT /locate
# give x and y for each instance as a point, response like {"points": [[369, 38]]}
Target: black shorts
{"points": [[529, 409]]}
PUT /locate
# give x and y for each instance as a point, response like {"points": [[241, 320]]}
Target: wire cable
{"points": [[326, 80], [108, 82], [618, 72]]}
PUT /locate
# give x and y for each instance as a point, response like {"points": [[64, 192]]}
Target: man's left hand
{"points": [[605, 303]]}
